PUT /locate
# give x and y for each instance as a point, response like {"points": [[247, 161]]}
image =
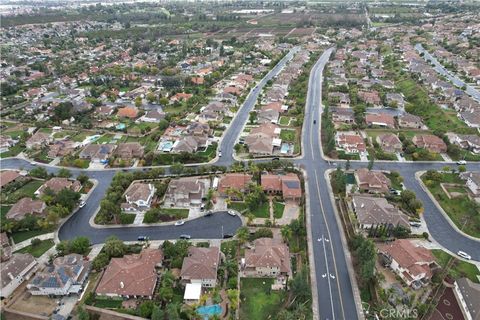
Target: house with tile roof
{"points": [[414, 264], [26, 206], [201, 266], [138, 197], [430, 142], [389, 142], [66, 275], [57, 184], [15, 271], [375, 211], [186, 192], [350, 142], [268, 258], [288, 186], [9, 176], [132, 276], [372, 181], [235, 181]]}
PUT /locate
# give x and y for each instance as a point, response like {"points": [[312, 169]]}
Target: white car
{"points": [[220, 154], [461, 162], [82, 204], [179, 223], [232, 213], [464, 255]]}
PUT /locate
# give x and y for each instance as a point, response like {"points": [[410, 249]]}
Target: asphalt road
{"points": [[449, 75], [236, 126]]}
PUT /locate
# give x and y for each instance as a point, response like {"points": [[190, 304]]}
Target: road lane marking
{"points": [[331, 246]]}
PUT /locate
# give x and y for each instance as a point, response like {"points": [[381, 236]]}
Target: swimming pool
{"points": [[208, 311]]}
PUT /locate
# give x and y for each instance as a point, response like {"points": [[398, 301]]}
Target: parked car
{"points": [[227, 235], [415, 224], [464, 255], [314, 121], [180, 223], [209, 213], [142, 238], [220, 154], [185, 236], [232, 213], [461, 162], [82, 204]]}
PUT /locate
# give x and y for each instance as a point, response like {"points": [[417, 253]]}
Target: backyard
{"points": [[258, 301], [39, 249], [27, 190]]}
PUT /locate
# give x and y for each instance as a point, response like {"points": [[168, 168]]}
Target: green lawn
{"points": [[106, 138], [288, 135], [27, 190], [258, 301], [20, 236], [109, 303], [179, 213], [465, 213], [262, 211], [459, 268], [278, 208], [80, 136], [240, 206], [38, 250], [3, 211]]}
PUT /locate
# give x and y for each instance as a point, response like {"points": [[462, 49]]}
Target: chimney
{"points": [[122, 285]]}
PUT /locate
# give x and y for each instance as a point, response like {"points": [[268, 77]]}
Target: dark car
{"points": [[185, 236], [142, 238], [227, 235], [314, 121], [209, 213], [275, 159]]}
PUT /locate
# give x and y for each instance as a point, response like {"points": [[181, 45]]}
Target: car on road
{"points": [[232, 213], [142, 238], [185, 236], [220, 154], [415, 224], [82, 204], [464, 255], [275, 159], [228, 235], [209, 213], [180, 223], [314, 121], [461, 162]]}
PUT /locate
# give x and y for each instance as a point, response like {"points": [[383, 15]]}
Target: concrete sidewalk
{"points": [[28, 242]]}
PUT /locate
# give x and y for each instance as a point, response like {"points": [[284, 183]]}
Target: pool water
{"points": [[208, 311]]}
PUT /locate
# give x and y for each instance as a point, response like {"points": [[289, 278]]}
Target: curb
{"points": [[346, 251], [311, 258], [439, 207]]}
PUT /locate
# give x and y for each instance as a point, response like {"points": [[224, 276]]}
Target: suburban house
{"points": [[267, 116], [430, 142], [380, 120], [186, 192], [200, 266], [467, 293], [471, 118], [129, 151], [234, 181], [132, 275], [26, 206], [373, 211], [127, 112], [390, 143], [15, 271], [152, 116], [66, 275], [411, 263], [6, 142], [57, 184], [351, 143], [9, 176], [343, 115], [288, 186], [263, 139], [138, 197], [469, 142], [61, 148], [180, 97], [395, 100], [98, 153], [370, 97], [372, 181], [410, 121], [38, 140], [268, 258], [473, 182]]}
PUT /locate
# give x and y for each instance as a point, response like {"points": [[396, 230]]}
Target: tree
{"points": [[157, 313], [232, 295], [64, 173], [347, 165], [242, 235], [300, 287], [370, 163], [146, 308], [82, 178], [462, 168], [39, 172], [114, 247], [286, 233], [35, 242], [100, 261], [82, 314], [173, 311], [79, 245], [67, 198]]}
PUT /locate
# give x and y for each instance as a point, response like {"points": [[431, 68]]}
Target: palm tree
{"points": [[286, 233]]}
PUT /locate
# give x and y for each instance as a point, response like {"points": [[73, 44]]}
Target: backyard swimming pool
{"points": [[208, 311]]}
